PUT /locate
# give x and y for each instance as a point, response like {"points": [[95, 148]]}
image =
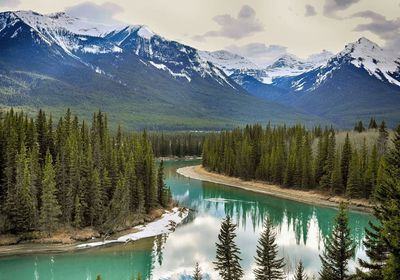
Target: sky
{"points": [[261, 30]]}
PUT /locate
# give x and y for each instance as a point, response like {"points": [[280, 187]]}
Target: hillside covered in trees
{"points": [[74, 174], [297, 157]]}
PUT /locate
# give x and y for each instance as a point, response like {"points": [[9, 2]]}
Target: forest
{"points": [[297, 157], [74, 174]]}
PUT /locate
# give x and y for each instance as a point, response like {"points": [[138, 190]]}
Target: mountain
{"points": [[227, 61], [142, 79], [361, 81]]}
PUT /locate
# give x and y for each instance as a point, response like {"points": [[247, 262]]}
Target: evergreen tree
{"points": [[346, 158], [372, 124], [269, 266], [377, 252], [299, 274], [354, 182], [227, 256], [336, 177], [387, 211], [382, 139], [197, 273], [339, 249], [50, 210]]}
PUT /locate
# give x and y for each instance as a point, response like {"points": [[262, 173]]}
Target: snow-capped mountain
{"points": [[142, 78], [286, 66], [363, 54], [227, 61], [361, 78], [70, 36]]}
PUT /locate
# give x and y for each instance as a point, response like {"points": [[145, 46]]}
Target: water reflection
{"points": [[301, 230]]}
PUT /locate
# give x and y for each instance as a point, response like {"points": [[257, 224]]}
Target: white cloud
{"points": [[310, 11], [103, 13], [260, 53], [331, 7], [245, 24], [10, 3]]}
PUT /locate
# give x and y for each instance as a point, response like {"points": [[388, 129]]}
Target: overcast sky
{"points": [[259, 29]]}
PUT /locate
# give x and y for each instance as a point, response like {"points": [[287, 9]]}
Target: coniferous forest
{"points": [[297, 157], [71, 173]]}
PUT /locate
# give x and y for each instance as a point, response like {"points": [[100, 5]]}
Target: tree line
{"points": [[287, 156], [179, 144], [381, 243], [73, 173]]}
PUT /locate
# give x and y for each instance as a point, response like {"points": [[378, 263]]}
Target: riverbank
{"points": [[163, 223], [311, 197]]}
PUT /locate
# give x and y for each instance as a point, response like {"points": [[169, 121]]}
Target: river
{"points": [[301, 230]]}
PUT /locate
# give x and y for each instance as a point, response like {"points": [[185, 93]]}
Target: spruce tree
{"points": [[269, 266], [387, 210], [382, 139], [197, 273], [50, 210], [299, 274], [346, 158], [227, 255], [339, 249], [354, 187]]}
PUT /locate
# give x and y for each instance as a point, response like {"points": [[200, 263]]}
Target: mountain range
{"points": [[144, 80]]}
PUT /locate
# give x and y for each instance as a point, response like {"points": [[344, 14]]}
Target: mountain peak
{"points": [[145, 32]]}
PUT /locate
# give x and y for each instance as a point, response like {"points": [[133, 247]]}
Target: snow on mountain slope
{"points": [[59, 30], [376, 61], [177, 59], [363, 54], [287, 66], [82, 40], [227, 61]]}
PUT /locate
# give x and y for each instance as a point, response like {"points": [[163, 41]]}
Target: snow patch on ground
{"points": [[166, 224]]}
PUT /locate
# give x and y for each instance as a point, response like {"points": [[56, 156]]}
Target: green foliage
{"points": [[227, 255], [73, 173], [269, 266], [285, 156], [197, 273], [50, 210], [383, 241], [339, 249], [299, 274]]}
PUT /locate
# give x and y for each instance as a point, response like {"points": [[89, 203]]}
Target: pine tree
{"points": [[299, 274], [354, 182], [227, 256], [382, 139], [346, 158], [269, 266], [339, 249], [161, 188], [387, 211], [197, 273], [336, 177], [377, 252], [50, 210], [372, 124]]}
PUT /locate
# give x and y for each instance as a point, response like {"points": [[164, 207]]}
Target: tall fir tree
{"points": [[346, 159], [354, 187], [227, 256], [269, 266], [339, 249], [197, 275], [387, 211], [299, 273], [50, 210]]}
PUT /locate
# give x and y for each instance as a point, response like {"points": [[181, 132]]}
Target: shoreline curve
{"points": [[198, 172]]}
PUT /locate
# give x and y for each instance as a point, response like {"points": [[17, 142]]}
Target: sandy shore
{"points": [[311, 197]]}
